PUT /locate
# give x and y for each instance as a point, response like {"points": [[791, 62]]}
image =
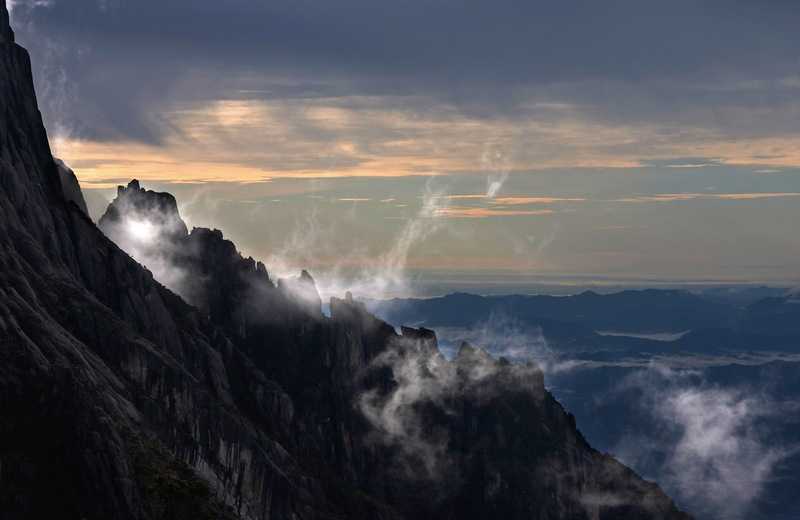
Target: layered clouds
{"points": [[568, 84], [520, 102]]}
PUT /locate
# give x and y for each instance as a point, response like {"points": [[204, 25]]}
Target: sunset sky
{"points": [[574, 140]]}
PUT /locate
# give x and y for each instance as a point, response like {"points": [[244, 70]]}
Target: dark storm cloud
{"points": [[121, 63]]}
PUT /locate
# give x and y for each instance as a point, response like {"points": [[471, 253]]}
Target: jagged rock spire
{"points": [[6, 34]]}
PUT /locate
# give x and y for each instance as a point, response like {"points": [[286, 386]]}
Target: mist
{"points": [[715, 453]]}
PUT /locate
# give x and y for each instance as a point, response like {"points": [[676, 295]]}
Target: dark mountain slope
{"points": [[120, 400], [103, 370], [328, 366]]}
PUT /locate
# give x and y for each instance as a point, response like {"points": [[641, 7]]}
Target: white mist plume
{"points": [[717, 460], [720, 457], [498, 163], [377, 276], [419, 378]]}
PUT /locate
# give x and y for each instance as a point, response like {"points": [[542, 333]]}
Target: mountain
{"points": [[641, 311], [774, 316], [650, 320], [121, 400]]}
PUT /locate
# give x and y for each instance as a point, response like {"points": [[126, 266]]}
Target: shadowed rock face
{"points": [[120, 400], [70, 186], [6, 34]]}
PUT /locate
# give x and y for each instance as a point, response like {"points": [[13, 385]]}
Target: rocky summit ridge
{"points": [[121, 399]]}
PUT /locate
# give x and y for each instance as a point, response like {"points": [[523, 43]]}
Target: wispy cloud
{"points": [[683, 162], [522, 200], [312, 245], [466, 212], [677, 197], [516, 200], [497, 162]]}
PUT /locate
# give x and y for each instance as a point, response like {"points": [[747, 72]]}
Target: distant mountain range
{"points": [[620, 321]]}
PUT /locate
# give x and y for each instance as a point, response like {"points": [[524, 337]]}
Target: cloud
{"points": [[466, 197], [498, 162], [305, 75], [523, 200], [719, 457], [715, 458], [680, 197], [502, 335], [360, 271], [516, 200], [682, 162], [465, 212]]}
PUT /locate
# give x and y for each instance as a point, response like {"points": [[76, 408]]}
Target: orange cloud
{"points": [[257, 140], [463, 212], [519, 201]]}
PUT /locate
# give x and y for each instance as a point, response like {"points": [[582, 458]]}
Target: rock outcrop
{"points": [[121, 400]]}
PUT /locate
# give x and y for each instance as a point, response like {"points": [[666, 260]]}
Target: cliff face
{"points": [[70, 186], [120, 400]]}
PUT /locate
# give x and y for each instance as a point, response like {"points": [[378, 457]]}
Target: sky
{"points": [[506, 142]]}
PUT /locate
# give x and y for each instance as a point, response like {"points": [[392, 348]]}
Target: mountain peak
{"points": [[303, 290], [136, 208], [6, 34]]}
